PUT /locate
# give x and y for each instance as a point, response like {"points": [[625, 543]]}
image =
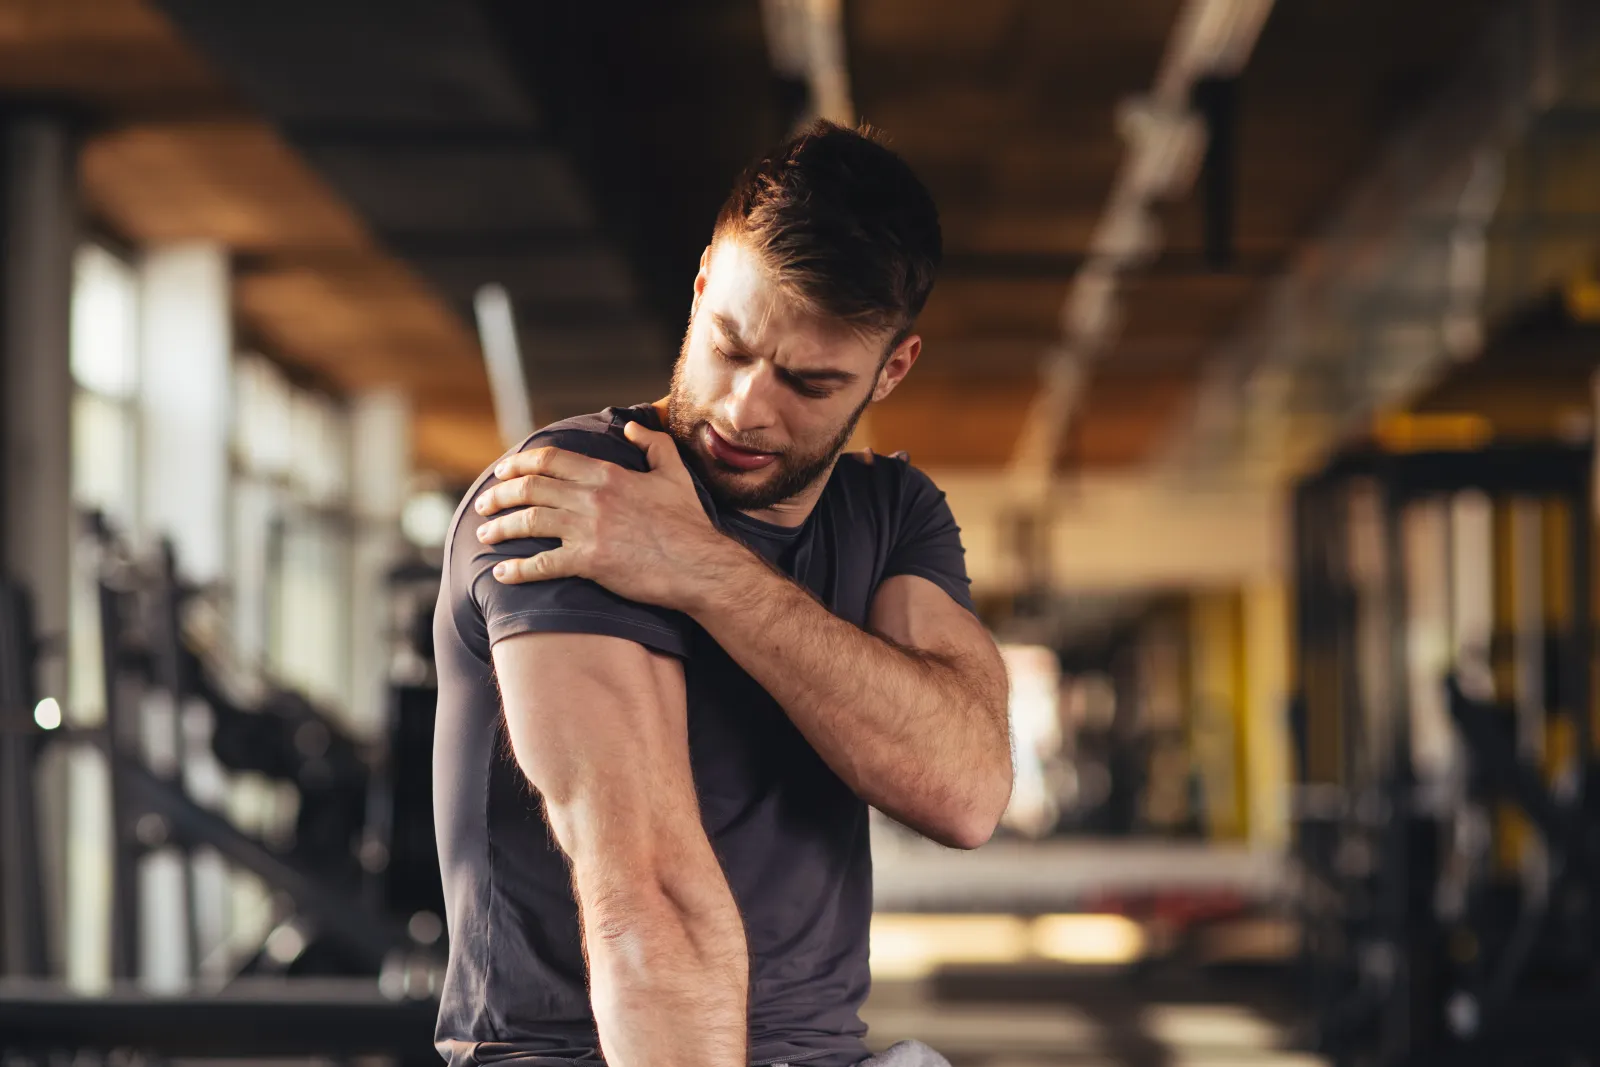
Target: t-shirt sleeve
{"points": [[561, 605], [928, 541]]}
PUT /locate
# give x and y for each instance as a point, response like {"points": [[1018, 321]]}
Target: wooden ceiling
{"points": [[577, 153], [171, 153], [1007, 109]]}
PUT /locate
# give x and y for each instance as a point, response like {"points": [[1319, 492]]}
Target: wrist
{"points": [[723, 571]]}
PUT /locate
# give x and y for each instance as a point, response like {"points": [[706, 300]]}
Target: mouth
{"points": [[729, 454]]}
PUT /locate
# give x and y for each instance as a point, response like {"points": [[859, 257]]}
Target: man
{"points": [[689, 649]]}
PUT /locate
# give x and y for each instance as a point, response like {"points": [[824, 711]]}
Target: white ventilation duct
{"points": [[1166, 142]]}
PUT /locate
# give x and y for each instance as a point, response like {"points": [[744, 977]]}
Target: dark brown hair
{"points": [[842, 224]]}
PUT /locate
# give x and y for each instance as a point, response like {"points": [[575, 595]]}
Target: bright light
{"points": [[1210, 1026], [285, 944], [47, 714], [914, 946], [1088, 938], [426, 519]]}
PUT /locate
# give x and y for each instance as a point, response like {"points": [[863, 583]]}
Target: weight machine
{"points": [[355, 885], [1446, 764], [155, 678]]}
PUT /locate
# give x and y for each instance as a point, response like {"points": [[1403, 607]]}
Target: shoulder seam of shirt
{"points": [[586, 614]]}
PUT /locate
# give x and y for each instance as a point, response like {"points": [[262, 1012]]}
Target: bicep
{"points": [[912, 612], [598, 726]]}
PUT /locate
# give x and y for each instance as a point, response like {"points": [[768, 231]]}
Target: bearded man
{"points": [[682, 648]]}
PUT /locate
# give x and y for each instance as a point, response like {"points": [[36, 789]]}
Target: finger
{"points": [[528, 490], [528, 522], [659, 448], [556, 563], [552, 463]]}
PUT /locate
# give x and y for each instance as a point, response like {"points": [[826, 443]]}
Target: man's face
{"points": [[764, 395]]}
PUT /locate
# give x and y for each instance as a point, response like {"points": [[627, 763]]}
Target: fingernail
{"points": [[481, 507], [501, 570], [483, 533], [502, 469]]}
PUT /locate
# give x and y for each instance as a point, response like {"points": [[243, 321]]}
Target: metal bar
{"points": [[1218, 101], [1397, 780], [121, 722], [22, 943], [1578, 676], [301, 1017], [169, 675], [335, 914]]}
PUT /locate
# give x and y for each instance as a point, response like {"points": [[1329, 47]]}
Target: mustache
{"points": [[738, 442]]}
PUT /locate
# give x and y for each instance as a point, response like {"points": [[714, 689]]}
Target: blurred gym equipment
{"points": [[22, 926], [358, 926], [1443, 730]]}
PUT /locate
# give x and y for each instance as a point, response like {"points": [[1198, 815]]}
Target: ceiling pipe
{"points": [[805, 39], [1166, 141], [1395, 288], [502, 357]]}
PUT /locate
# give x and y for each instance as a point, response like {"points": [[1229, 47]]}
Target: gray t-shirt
{"points": [[792, 837]]}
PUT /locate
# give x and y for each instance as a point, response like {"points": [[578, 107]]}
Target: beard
{"points": [[792, 472]]}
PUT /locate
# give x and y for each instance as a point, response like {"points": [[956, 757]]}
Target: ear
{"points": [[700, 279], [897, 366]]}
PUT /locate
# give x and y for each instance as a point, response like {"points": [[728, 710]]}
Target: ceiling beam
{"points": [[1063, 266], [400, 134]]}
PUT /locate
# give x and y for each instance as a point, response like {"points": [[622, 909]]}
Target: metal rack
{"points": [[1447, 872], [375, 974]]}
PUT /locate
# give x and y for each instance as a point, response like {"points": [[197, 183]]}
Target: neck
{"points": [[796, 509]]}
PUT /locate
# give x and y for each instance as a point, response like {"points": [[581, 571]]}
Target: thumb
{"points": [[659, 448]]}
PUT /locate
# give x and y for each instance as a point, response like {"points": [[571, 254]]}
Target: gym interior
{"points": [[1259, 375]]}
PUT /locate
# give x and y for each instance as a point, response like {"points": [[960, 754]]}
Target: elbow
{"points": [[980, 816], [972, 824], [969, 834]]}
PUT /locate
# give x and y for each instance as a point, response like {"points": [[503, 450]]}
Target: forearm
{"points": [[920, 736], [668, 976]]}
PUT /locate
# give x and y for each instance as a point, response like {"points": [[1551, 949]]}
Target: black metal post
{"points": [[22, 925]]}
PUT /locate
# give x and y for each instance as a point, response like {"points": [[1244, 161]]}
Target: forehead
{"points": [[741, 292]]}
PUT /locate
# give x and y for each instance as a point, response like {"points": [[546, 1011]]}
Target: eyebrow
{"points": [[730, 329]]}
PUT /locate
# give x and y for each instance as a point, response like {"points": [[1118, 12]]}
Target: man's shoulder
{"points": [[597, 435], [889, 480]]}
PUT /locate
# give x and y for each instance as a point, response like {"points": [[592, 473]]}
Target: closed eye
{"points": [[805, 388]]}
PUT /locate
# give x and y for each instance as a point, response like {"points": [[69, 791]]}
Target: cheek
{"points": [[818, 422], [702, 375]]}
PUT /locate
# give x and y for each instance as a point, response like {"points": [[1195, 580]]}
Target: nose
{"points": [[749, 407]]}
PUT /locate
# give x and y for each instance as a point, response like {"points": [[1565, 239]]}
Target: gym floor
{"points": [[1021, 1020]]}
